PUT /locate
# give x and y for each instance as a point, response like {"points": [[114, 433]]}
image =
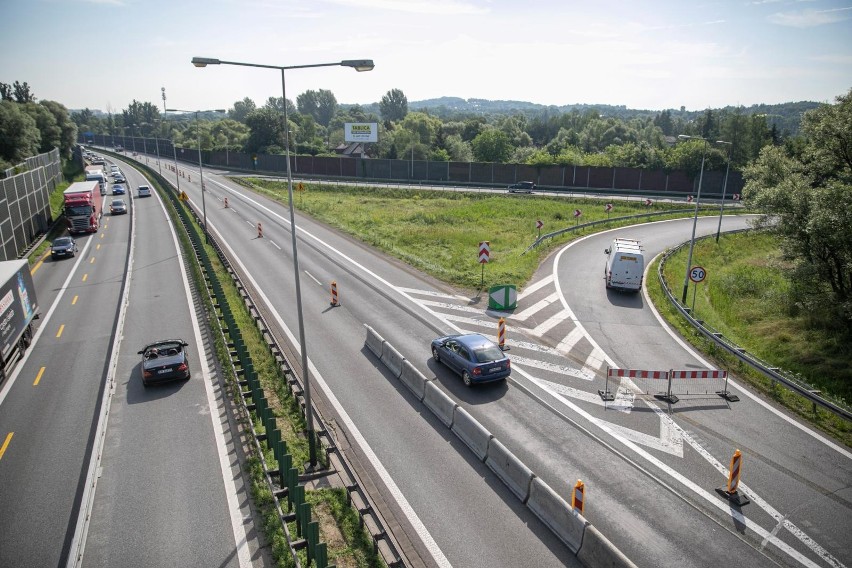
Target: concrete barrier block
{"points": [[598, 551], [471, 432], [392, 359], [439, 403], [556, 513], [374, 341], [509, 469], [413, 379]]}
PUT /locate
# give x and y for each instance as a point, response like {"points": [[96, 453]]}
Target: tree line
{"points": [[28, 128], [588, 137]]}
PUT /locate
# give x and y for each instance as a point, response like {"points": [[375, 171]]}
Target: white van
{"points": [[625, 265]]}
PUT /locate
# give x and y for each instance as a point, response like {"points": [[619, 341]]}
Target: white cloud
{"points": [[810, 18], [433, 7]]}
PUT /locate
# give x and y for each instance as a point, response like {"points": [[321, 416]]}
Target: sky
{"points": [[642, 54]]}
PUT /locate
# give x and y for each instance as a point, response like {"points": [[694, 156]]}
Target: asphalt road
{"points": [[644, 464], [51, 413]]}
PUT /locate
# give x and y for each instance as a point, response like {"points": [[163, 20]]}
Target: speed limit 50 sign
{"points": [[697, 274]]}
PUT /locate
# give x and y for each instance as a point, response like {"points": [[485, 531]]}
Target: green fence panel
{"points": [[285, 464], [303, 516], [321, 555], [312, 536], [292, 484]]}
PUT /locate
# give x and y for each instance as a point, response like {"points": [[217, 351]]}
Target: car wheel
{"points": [[144, 384], [435, 355], [467, 380]]}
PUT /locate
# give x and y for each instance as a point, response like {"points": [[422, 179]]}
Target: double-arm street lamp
{"points": [[200, 166], [358, 65], [725, 185]]}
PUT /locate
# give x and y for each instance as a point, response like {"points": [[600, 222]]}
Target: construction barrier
{"points": [[471, 432], [334, 294], [413, 379], [669, 385], [259, 230], [510, 469], [651, 380], [554, 512], [392, 359], [597, 550], [703, 381], [501, 333], [226, 203], [439, 403], [730, 491], [374, 342], [578, 496]]}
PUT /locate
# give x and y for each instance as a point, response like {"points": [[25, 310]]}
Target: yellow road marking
{"points": [[74, 301], [6, 444], [38, 377], [85, 276], [98, 247], [92, 261], [38, 264], [61, 328]]}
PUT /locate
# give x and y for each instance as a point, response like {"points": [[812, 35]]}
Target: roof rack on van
{"points": [[626, 244]]}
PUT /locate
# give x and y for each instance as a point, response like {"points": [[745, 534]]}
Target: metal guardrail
{"points": [[539, 240], [770, 371], [360, 500]]}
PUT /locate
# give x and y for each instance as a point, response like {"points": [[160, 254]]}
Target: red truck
{"points": [[83, 207]]}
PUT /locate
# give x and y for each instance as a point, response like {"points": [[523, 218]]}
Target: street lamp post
{"points": [[200, 166], [174, 149], [695, 218], [358, 65], [724, 185]]}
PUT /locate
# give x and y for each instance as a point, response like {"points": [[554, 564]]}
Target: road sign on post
{"points": [[696, 274], [539, 225], [484, 257]]}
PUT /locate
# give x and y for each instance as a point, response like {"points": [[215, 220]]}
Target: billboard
{"points": [[361, 132]]}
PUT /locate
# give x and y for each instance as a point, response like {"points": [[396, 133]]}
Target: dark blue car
{"points": [[118, 189], [475, 357]]}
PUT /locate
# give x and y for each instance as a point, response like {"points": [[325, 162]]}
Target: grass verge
{"points": [[438, 232], [745, 297]]}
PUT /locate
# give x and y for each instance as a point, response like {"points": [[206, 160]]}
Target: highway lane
{"points": [[51, 412], [170, 490], [404, 310], [471, 518], [799, 481], [646, 535]]}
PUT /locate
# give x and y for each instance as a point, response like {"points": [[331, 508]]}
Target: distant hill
{"points": [[786, 116]]}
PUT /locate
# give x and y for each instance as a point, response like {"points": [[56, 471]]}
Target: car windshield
{"points": [[488, 353], [117, 203], [62, 242]]}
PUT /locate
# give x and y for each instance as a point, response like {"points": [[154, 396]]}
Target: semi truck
{"points": [[83, 206], [18, 309]]}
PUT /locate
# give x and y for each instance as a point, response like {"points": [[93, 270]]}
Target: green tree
{"points": [[320, 104], [19, 135], [393, 106], [491, 145], [51, 133], [266, 134], [242, 109], [67, 128], [806, 201], [22, 93]]}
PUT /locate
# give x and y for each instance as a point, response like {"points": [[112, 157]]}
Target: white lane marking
{"points": [[449, 306], [273, 243], [418, 292], [552, 367], [708, 457], [217, 419], [535, 308], [710, 498], [313, 278], [596, 359], [567, 344], [585, 396], [10, 380], [357, 437], [532, 288], [550, 323], [688, 348]]}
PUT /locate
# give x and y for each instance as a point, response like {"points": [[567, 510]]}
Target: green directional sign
{"points": [[503, 297]]}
